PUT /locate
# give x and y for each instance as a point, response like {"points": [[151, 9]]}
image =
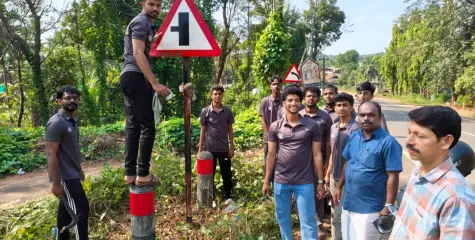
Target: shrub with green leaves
{"points": [[25, 148], [247, 132], [107, 197], [17, 150]]}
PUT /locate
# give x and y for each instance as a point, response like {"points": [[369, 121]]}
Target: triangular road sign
{"points": [[293, 75], [184, 33]]}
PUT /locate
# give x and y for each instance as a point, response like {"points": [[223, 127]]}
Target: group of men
{"points": [[348, 151], [343, 148]]}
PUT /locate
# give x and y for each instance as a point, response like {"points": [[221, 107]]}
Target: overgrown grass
{"points": [[108, 197], [253, 219], [414, 99]]}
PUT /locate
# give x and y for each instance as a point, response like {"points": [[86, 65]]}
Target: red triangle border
{"points": [[288, 73], [216, 50]]}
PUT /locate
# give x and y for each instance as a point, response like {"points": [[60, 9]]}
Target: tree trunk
{"points": [[5, 81], [224, 46], [35, 63], [22, 93]]}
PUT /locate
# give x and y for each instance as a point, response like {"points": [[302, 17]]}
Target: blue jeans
{"points": [[305, 197]]}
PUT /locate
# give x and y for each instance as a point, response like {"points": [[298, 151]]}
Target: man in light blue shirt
{"points": [[370, 175]]}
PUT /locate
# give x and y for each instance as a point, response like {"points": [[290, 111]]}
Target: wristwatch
{"points": [[387, 205], [321, 181]]}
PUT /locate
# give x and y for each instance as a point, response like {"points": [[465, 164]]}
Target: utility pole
{"points": [[324, 72], [248, 53]]}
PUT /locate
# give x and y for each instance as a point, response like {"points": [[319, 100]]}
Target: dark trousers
{"points": [[140, 123], [76, 199], [225, 168]]}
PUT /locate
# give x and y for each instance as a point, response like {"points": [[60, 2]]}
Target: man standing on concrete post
{"points": [[296, 141], [329, 93], [370, 175], [324, 122], [270, 111], [217, 136], [340, 132], [64, 163], [138, 85], [365, 92]]}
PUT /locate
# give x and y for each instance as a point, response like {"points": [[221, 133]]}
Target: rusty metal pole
{"points": [[187, 113]]}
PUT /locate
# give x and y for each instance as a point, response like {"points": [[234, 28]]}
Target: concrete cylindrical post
{"points": [[142, 209], [204, 169]]}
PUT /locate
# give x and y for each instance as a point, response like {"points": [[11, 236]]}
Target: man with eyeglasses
{"points": [[64, 162]]}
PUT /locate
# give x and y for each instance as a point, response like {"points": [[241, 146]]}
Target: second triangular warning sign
{"points": [[184, 33], [293, 75]]}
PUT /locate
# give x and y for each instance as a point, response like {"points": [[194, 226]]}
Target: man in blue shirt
{"points": [[370, 175]]}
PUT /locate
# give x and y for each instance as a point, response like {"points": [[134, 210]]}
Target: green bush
{"points": [[25, 148], [247, 132], [171, 134], [107, 199], [443, 97], [464, 101], [17, 150]]}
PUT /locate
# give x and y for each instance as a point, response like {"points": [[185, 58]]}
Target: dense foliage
{"points": [[108, 198], [25, 148], [431, 55]]}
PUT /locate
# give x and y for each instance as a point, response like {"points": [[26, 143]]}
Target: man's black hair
{"points": [[366, 86], [292, 90], [441, 120], [344, 97], [271, 79], [312, 90], [217, 88], [375, 104], [66, 89], [331, 86]]}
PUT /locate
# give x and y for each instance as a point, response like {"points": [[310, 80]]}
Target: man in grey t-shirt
{"points": [[340, 132], [64, 163], [138, 86], [217, 136], [270, 111], [296, 141]]}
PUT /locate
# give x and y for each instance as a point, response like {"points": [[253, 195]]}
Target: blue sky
{"points": [[372, 22]]}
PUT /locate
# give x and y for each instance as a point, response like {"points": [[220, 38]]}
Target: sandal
{"points": [[130, 182], [154, 181]]}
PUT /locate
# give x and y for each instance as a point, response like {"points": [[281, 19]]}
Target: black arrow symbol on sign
{"points": [[293, 73]]}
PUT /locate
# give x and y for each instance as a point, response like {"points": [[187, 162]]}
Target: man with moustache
{"points": [[370, 175], [324, 122], [365, 93], [340, 132], [439, 202], [138, 86], [296, 141], [270, 111], [329, 93], [64, 163], [217, 136]]}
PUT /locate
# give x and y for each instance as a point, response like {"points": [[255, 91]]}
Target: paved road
{"points": [[396, 117]]}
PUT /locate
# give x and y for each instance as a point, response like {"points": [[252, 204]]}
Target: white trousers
{"points": [[355, 226]]}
